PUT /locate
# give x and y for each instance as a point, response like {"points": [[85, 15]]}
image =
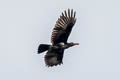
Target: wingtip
{"points": [[69, 13]]}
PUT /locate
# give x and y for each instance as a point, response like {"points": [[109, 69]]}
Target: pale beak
{"points": [[75, 43]]}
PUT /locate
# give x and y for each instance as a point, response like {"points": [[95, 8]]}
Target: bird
{"points": [[59, 38]]}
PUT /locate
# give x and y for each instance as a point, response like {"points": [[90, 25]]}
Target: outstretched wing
{"points": [[63, 27]]}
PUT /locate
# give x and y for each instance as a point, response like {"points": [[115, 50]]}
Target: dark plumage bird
{"points": [[59, 37]]}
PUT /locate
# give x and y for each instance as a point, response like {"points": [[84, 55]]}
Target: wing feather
{"points": [[63, 27]]}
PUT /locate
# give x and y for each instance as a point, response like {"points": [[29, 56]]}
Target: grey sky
{"points": [[24, 24]]}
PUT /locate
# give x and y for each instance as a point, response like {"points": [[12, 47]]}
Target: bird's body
{"points": [[54, 55], [60, 34]]}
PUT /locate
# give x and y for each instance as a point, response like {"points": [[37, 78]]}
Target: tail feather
{"points": [[52, 60], [42, 48]]}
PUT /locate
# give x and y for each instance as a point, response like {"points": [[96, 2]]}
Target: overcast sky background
{"points": [[24, 24]]}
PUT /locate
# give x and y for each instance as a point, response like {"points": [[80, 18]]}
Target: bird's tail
{"points": [[52, 59], [42, 48]]}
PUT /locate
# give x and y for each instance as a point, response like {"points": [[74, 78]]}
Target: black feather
{"points": [[42, 48]]}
